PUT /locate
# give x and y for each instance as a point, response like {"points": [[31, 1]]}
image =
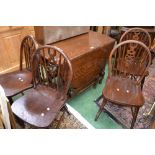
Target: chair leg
{"points": [[100, 109], [20, 122], [132, 110], [135, 113], [10, 100], [66, 109], [11, 116], [61, 118]]}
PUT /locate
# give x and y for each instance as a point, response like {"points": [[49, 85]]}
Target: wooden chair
{"points": [[128, 64], [138, 34], [52, 75], [18, 81]]}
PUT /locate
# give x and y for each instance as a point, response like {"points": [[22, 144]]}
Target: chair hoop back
{"points": [[130, 59], [138, 34], [52, 67], [27, 48]]}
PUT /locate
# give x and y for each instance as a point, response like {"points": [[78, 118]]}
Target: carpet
{"points": [[83, 103], [123, 115], [68, 122]]}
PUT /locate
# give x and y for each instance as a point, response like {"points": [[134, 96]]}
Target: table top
{"points": [[81, 44]]}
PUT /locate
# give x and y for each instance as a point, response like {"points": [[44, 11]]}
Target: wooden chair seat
{"points": [[40, 107], [16, 82], [123, 91]]}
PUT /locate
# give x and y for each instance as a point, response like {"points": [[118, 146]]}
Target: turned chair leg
{"points": [[132, 110], [60, 120], [100, 109], [20, 122], [11, 116], [10, 100], [66, 108], [135, 113]]}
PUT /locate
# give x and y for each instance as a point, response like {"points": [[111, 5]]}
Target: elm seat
{"points": [[39, 108], [15, 82], [123, 91]]}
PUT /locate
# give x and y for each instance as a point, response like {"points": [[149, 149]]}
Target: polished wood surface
{"points": [[88, 54], [52, 76], [39, 107], [18, 81], [10, 40], [78, 46], [123, 91], [123, 86]]}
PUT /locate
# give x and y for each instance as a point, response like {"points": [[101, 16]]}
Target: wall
{"points": [[10, 39]]}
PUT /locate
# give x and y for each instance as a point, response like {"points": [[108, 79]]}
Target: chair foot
{"points": [[20, 122], [101, 108], [10, 100], [11, 116], [132, 111], [98, 114], [135, 113], [60, 120], [66, 109]]}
